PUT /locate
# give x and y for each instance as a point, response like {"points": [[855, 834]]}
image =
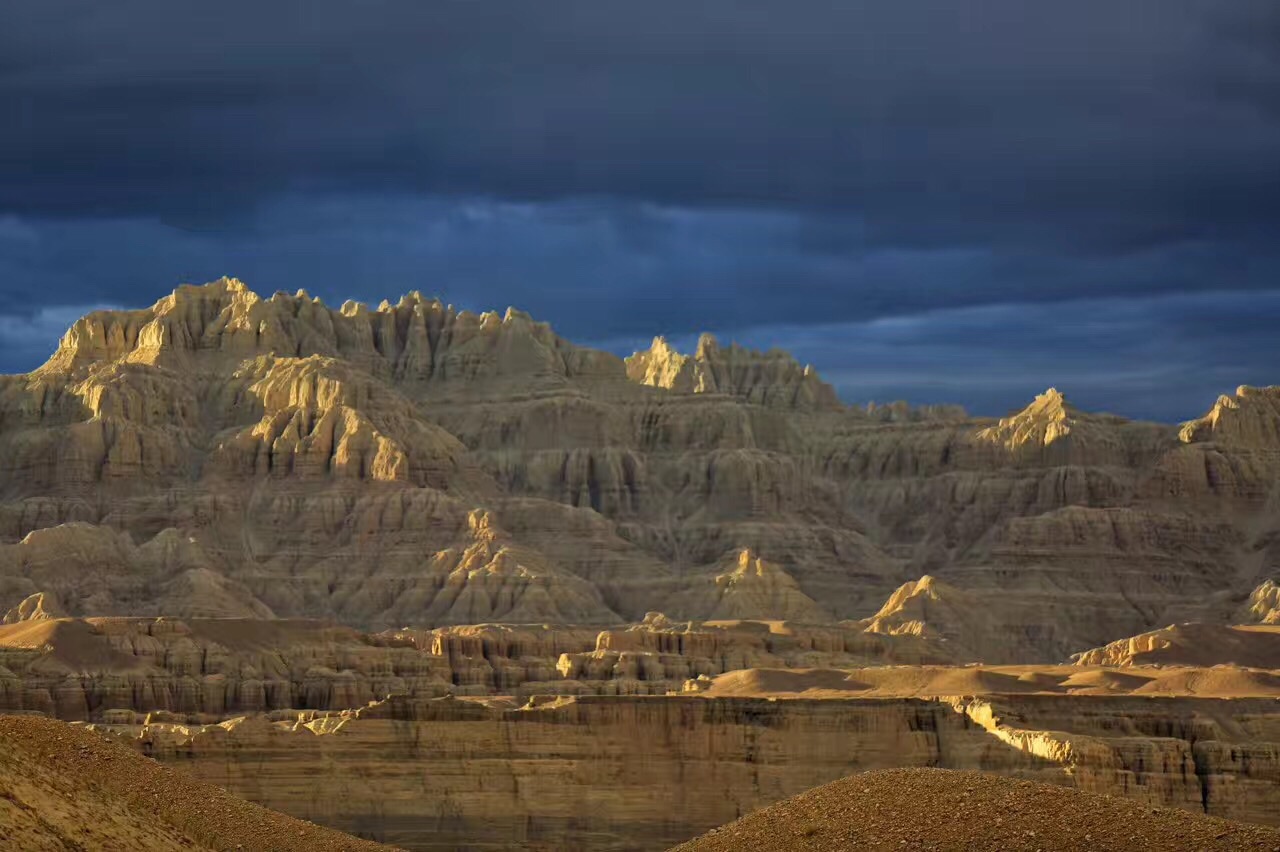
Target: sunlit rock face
{"points": [[224, 454], [770, 378]]}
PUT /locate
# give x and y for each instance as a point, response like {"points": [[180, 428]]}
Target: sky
{"points": [[927, 200]]}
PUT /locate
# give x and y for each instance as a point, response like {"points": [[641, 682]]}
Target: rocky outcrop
{"points": [[414, 340], [770, 378], [748, 587], [1052, 430], [202, 669], [972, 627], [659, 655], [90, 568], [1192, 645], [1263, 606], [36, 607], [1250, 418]]}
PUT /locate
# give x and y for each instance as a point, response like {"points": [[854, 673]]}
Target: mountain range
{"points": [[220, 454]]}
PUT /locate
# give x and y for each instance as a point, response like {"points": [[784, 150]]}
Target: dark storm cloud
{"points": [[1092, 123], [597, 269], [1166, 358], [623, 169]]}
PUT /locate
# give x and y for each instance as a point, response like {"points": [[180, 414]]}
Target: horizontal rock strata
{"points": [[221, 454], [406, 771]]}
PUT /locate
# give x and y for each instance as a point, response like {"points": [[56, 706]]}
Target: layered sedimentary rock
{"points": [[222, 454], [405, 771], [442, 577], [201, 669]]}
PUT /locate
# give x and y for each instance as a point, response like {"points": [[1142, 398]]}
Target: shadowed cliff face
{"points": [[654, 771], [226, 454]]}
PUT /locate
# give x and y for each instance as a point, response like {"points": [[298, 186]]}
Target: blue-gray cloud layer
{"points": [[961, 201]]}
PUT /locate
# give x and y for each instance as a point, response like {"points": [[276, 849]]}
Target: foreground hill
{"points": [[63, 787], [220, 454], [940, 809]]}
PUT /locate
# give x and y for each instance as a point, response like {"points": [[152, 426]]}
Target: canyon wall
{"points": [[641, 773]]}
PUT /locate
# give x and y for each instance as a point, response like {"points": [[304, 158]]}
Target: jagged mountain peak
{"points": [[771, 377], [1052, 404], [416, 340], [1249, 418], [708, 346], [1047, 419]]}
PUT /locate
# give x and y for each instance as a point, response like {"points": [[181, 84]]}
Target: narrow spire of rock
{"points": [[708, 346]]}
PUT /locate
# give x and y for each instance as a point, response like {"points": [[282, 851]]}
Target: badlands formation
{"points": [[449, 581]]}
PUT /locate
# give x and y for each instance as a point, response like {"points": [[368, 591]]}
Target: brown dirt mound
{"points": [[64, 787], [944, 810]]}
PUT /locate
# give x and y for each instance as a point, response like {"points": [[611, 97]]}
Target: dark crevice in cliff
{"points": [[1203, 771]]}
